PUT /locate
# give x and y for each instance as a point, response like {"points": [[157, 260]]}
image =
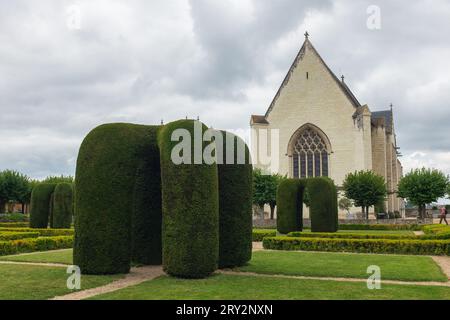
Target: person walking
{"points": [[443, 215]]}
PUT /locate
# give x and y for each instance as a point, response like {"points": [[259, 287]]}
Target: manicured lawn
{"points": [[55, 256], [325, 264], [236, 287], [19, 282]]}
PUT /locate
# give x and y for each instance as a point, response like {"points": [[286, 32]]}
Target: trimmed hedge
{"points": [[42, 232], [290, 205], [37, 244], [190, 205], [412, 227], [7, 236], [350, 235], [415, 247], [235, 205], [107, 163], [146, 220], [62, 206], [40, 205], [436, 231], [323, 204], [14, 224], [260, 234]]}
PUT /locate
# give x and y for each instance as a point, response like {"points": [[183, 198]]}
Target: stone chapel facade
{"points": [[325, 131]]}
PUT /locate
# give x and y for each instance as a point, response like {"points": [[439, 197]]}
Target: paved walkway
{"points": [[136, 276], [39, 264]]}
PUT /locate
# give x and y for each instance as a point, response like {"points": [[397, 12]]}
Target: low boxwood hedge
{"points": [[412, 227], [349, 235], [259, 234], [7, 235], [388, 246], [42, 232], [14, 224], [37, 244]]}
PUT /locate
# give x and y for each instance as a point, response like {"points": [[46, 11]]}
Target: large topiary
{"points": [[40, 205], [323, 204], [62, 206], [107, 166], [235, 203], [189, 202], [290, 205]]}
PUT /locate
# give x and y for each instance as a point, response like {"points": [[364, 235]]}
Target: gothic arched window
{"points": [[310, 155]]}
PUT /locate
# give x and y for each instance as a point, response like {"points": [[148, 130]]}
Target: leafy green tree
{"points": [[14, 186], [58, 179], [345, 204], [265, 190], [365, 188], [423, 186]]}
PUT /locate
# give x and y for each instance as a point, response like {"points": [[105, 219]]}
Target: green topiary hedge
{"points": [[350, 235], [146, 217], [62, 206], [323, 205], [414, 227], [35, 244], [105, 179], [260, 234], [42, 232], [190, 205], [290, 205], [235, 204], [415, 247], [40, 205], [7, 236]]}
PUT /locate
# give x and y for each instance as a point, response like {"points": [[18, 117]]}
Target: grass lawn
{"points": [[325, 264], [20, 282], [55, 256], [235, 287]]}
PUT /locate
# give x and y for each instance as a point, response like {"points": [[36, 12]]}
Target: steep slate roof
{"points": [[386, 115], [345, 89]]}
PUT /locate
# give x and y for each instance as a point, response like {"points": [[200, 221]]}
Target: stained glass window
{"points": [[310, 155]]}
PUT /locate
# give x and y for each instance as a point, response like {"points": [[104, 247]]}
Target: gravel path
{"points": [[39, 264], [444, 263], [136, 276], [415, 283]]}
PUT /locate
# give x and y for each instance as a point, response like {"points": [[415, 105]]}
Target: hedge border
{"points": [[33, 245], [8, 235], [385, 246]]}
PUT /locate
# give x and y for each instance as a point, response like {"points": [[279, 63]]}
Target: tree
{"points": [[14, 186], [265, 190], [423, 186], [58, 179], [345, 204], [365, 188]]}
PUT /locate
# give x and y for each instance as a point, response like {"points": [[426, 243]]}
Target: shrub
{"points": [[290, 205], [349, 235], [40, 205], [190, 205], [107, 163], [415, 247], [235, 204], [14, 224], [62, 206], [37, 244], [323, 207], [7, 236], [260, 234], [146, 217], [42, 232], [414, 227], [14, 217]]}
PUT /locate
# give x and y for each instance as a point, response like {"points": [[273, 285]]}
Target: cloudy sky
{"points": [[67, 66]]}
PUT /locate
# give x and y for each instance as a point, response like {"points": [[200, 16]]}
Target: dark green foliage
{"points": [[290, 205], [423, 186], [62, 206], [14, 186], [391, 246], [260, 234], [105, 179], [323, 205], [147, 213], [190, 208], [235, 208], [40, 205]]}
